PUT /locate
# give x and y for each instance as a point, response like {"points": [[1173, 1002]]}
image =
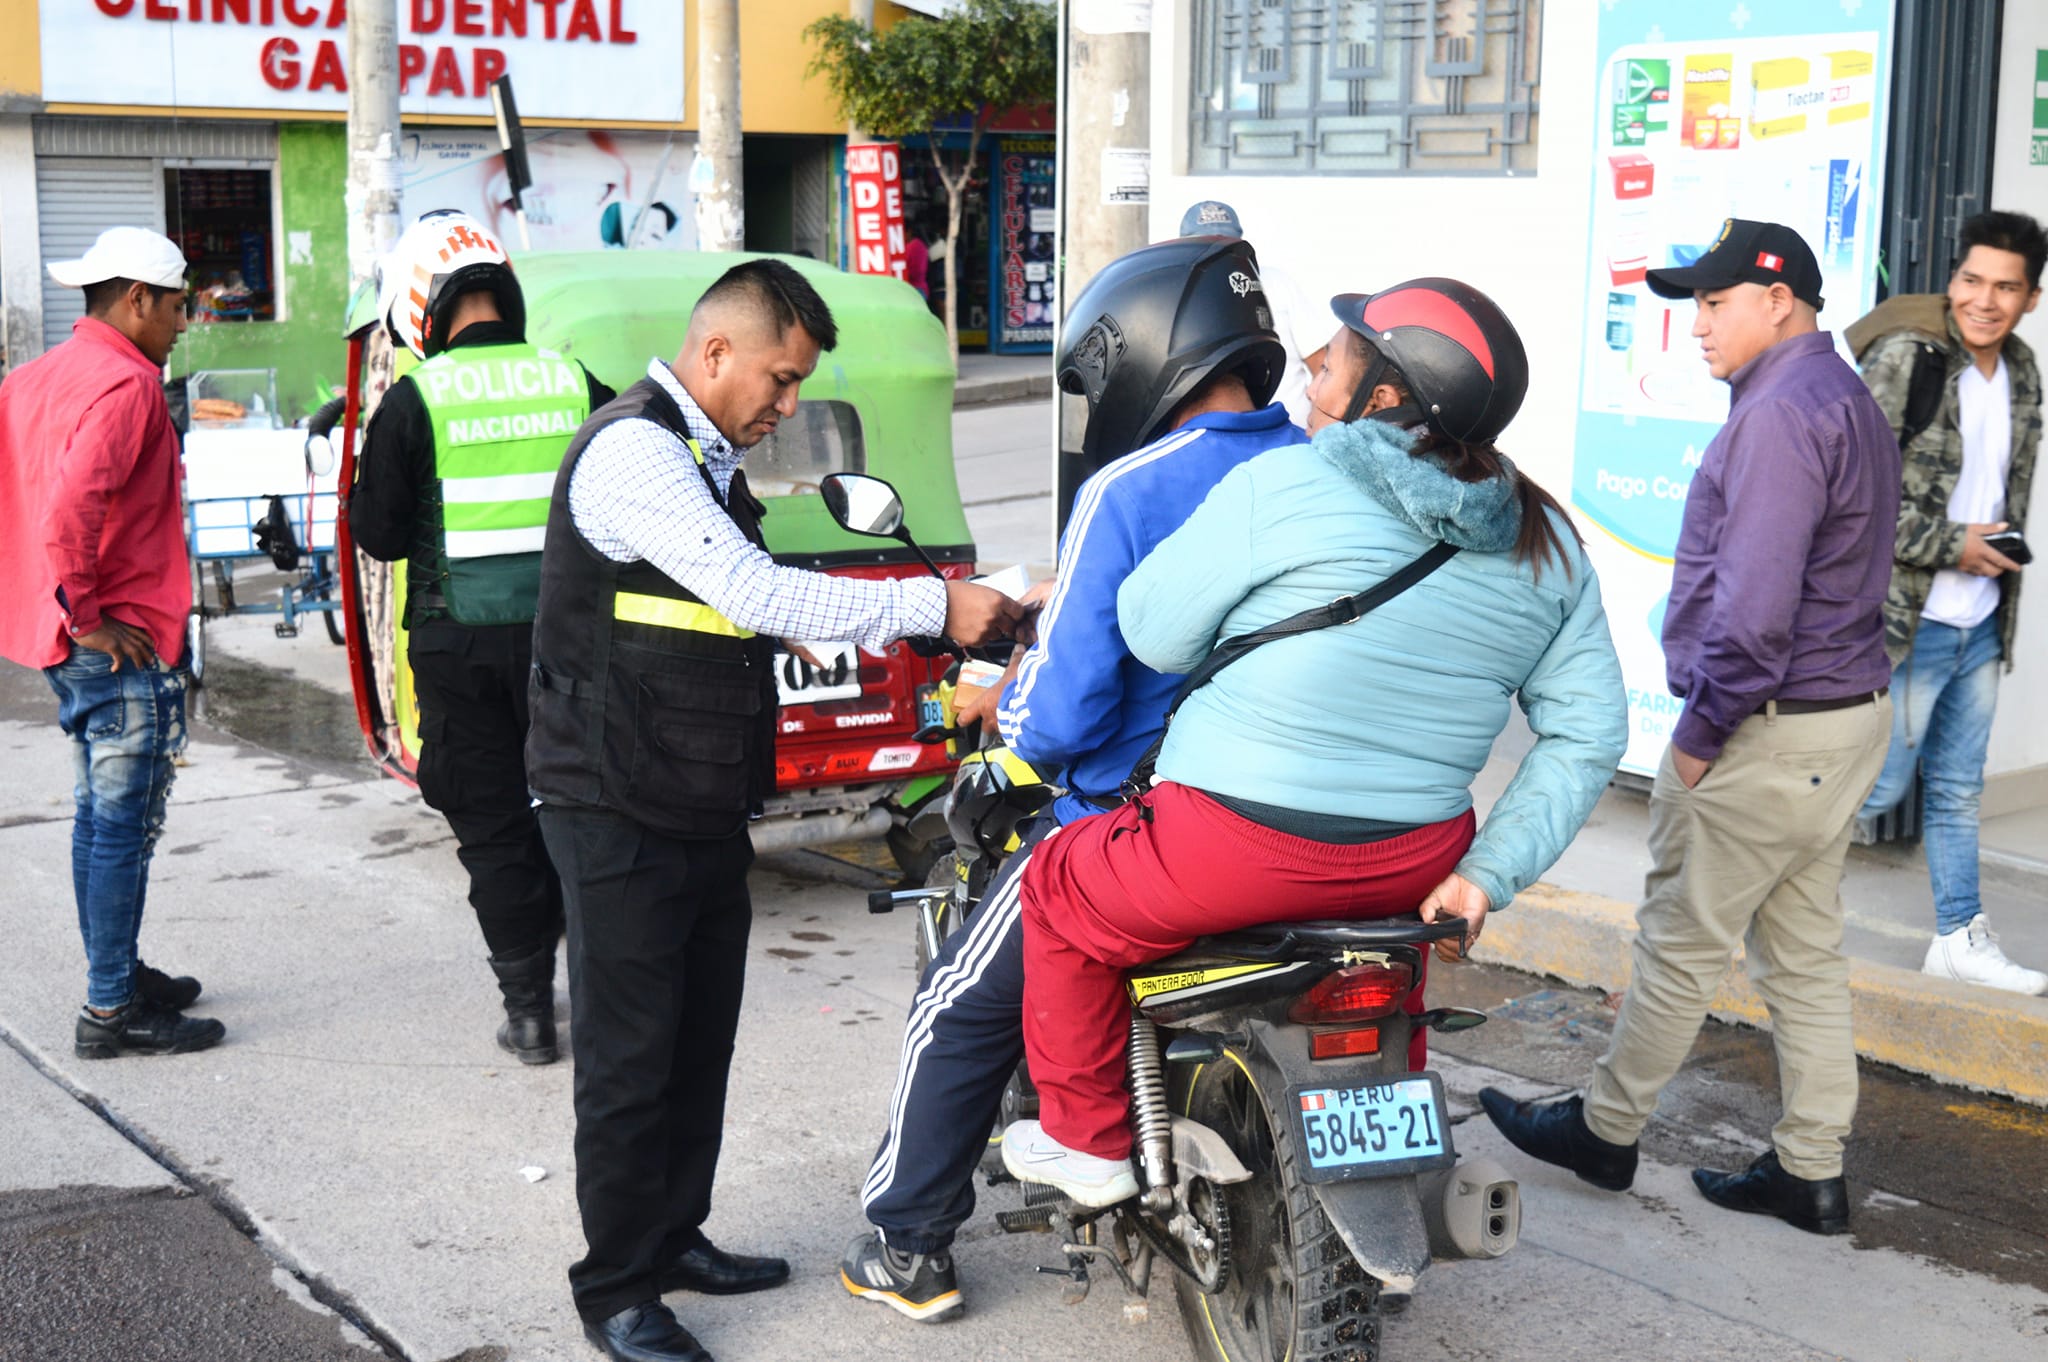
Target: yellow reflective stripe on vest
{"points": [[665, 612]]}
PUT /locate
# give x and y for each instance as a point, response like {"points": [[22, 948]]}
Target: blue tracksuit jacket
{"points": [[1081, 703]]}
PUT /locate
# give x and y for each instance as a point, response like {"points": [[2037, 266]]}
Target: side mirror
{"points": [[1450, 1019], [319, 455], [863, 505]]}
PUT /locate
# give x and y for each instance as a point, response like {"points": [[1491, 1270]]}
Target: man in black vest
{"points": [[652, 741]]}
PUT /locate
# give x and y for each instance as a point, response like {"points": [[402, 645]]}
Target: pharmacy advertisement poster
{"points": [[1775, 112]]}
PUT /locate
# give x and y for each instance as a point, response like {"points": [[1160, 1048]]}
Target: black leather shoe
{"points": [[1556, 1132], [1818, 1206], [714, 1272], [645, 1333], [164, 990], [142, 1028]]}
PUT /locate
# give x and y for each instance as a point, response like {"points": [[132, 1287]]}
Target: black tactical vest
{"points": [[645, 700]]}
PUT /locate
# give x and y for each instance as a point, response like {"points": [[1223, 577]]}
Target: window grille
{"points": [[1364, 87]]}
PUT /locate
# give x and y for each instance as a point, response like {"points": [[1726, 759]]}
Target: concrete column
{"points": [[21, 247], [720, 182], [1107, 111], [372, 193]]}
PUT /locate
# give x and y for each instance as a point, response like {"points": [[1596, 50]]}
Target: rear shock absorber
{"points": [[1149, 1116]]}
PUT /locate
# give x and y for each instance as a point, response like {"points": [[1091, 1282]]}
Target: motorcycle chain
{"points": [[1179, 1255]]}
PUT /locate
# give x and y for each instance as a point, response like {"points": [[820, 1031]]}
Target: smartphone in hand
{"points": [[2012, 545]]}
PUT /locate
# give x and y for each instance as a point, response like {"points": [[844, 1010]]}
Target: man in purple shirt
{"points": [[1774, 637]]}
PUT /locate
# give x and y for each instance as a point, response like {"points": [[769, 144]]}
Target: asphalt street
{"points": [[359, 1173]]}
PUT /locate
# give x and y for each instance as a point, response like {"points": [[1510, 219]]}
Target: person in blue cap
{"points": [[1300, 322]]}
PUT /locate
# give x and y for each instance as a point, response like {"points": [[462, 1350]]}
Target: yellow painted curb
{"points": [[1956, 1033]]}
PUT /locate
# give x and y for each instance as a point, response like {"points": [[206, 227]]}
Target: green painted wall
{"points": [[307, 349]]}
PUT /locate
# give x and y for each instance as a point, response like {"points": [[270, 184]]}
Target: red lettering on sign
{"points": [[300, 16], [876, 196], [280, 71], [411, 62], [489, 64], [548, 19], [428, 15], [114, 9], [583, 22], [508, 16], [327, 71], [337, 14], [159, 9], [447, 76], [469, 18], [237, 9], [620, 33]]}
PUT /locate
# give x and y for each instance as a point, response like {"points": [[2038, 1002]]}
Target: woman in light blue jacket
{"points": [[1329, 774]]}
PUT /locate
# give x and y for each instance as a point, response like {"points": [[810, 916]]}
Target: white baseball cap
{"points": [[125, 253]]}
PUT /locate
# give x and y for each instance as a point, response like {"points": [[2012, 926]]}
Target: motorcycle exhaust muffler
{"points": [[1472, 1210]]}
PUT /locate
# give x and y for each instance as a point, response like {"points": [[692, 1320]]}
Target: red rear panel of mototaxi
{"points": [[853, 721]]}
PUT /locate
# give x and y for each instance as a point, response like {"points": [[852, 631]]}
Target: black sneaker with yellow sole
{"points": [[920, 1285]]}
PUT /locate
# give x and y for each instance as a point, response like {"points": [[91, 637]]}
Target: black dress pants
{"points": [[471, 684], [657, 961]]}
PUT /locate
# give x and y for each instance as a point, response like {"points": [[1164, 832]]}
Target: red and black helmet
{"points": [[1453, 348]]}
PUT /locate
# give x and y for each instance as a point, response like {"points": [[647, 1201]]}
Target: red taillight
{"points": [[1355, 994], [1358, 1040]]}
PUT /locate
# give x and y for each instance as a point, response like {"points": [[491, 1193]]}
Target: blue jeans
{"points": [[125, 727], [1943, 697]]}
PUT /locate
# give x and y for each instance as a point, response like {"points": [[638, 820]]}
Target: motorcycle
{"points": [[1293, 1173]]}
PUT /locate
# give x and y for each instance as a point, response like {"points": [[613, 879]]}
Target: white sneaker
{"points": [[1031, 1155], [1971, 954]]}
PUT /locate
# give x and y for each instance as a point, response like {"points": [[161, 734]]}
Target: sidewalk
{"points": [[1002, 378]]}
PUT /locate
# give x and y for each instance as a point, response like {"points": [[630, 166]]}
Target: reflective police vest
{"points": [[645, 700], [502, 417]]}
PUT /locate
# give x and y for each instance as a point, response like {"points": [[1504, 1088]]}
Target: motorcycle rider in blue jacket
{"points": [[1174, 349]]}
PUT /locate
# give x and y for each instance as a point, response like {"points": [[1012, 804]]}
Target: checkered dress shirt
{"points": [[636, 494]]}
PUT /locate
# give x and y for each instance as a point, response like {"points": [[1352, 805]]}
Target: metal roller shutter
{"points": [[78, 197]]}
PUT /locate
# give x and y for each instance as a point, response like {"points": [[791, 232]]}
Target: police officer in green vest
{"points": [[455, 477]]}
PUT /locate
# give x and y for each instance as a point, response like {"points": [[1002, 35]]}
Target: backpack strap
{"points": [[1924, 392], [1343, 610]]}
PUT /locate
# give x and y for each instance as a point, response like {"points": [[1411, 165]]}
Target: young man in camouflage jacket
{"points": [[1969, 445]]}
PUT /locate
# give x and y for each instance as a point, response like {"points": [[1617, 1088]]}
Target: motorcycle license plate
{"points": [[1375, 1130]]}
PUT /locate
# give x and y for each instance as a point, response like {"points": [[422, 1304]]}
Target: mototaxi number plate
{"points": [[1374, 1130], [797, 682]]}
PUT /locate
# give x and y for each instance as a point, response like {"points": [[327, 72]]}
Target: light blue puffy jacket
{"points": [[1389, 717]]}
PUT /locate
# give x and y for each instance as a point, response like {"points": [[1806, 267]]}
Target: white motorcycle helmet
{"points": [[444, 255]]}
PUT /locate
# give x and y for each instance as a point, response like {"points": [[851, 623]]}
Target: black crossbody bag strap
{"points": [[1343, 610]]}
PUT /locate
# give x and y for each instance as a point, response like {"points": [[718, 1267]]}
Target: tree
{"points": [[984, 57]]}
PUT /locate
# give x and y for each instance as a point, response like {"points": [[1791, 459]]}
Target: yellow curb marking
{"points": [[2020, 1123]]}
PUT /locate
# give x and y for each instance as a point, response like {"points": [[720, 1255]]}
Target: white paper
{"points": [[1110, 16], [1126, 175]]}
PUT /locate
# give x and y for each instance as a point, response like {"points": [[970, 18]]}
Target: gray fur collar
{"points": [[1481, 516]]}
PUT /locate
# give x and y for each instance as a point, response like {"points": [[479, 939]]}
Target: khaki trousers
{"points": [[1754, 854]]}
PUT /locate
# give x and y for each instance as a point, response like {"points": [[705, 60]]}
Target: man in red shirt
{"points": [[98, 586]]}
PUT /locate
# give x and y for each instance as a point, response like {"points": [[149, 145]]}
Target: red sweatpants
{"points": [[1119, 890]]}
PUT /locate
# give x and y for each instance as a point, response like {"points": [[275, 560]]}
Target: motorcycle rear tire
{"points": [[1293, 1290]]}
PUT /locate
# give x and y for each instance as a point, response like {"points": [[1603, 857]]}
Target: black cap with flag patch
{"points": [[1746, 253]]}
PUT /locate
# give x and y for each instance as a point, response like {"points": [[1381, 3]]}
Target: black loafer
{"points": [[1556, 1132], [714, 1272], [645, 1333], [176, 993], [1816, 1205]]}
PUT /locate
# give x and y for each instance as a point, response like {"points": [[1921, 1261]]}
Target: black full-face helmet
{"points": [[1453, 348], [1153, 326]]}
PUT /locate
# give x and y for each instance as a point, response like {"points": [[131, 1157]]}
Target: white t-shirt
{"points": [[1959, 599]]}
